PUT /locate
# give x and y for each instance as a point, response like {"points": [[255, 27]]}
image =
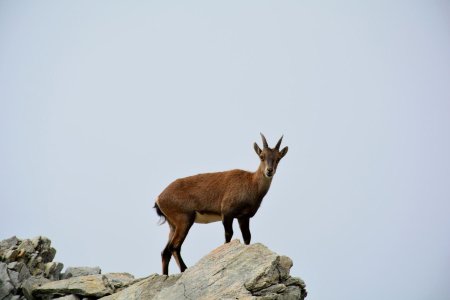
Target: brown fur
{"points": [[231, 194]]}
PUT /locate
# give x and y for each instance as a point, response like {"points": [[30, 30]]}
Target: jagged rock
{"points": [[8, 249], [52, 270], [42, 245], [21, 270], [6, 287], [119, 281], [90, 286], [146, 288], [35, 254], [7, 244], [80, 271], [32, 283], [235, 270], [232, 271]]}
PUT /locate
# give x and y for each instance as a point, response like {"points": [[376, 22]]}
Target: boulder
{"points": [[232, 271], [6, 245], [32, 283], [6, 286], [80, 271], [52, 270], [237, 271], [146, 288], [89, 286], [21, 270], [36, 254]]}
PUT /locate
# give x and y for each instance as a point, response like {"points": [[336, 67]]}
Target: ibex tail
{"points": [[162, 219]]}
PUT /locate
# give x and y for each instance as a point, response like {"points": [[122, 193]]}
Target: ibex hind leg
{"points": [[183, 224], [166, 254]]}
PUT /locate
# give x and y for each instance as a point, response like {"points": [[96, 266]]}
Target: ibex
{"points": [[212, 197]]}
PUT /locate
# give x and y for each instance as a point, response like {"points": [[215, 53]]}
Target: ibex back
{"points": [[212, 197]]}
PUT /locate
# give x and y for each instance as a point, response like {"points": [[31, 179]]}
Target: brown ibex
{"points": [[212, 197]]}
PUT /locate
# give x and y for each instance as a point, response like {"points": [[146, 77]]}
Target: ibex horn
{"points": [[279, 143], [265, 145]]}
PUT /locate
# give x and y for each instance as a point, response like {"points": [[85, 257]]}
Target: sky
{"points": [[104, 103]]}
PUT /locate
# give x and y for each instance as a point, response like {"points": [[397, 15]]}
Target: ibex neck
{"points": [[262, 181]]}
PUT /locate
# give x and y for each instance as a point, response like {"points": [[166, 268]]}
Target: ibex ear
{"points": [[257, 149], [284, 151]]}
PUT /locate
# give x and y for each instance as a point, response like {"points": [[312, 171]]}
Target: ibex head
{"points": [[270, 157]]}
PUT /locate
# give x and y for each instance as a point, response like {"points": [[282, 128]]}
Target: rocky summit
{"points": [[231, 271]]}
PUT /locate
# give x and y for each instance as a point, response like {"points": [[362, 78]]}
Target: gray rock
{"points": [[146, 288], [80, 271], [232, 271], [43, 246], [8, 244], [119, 281], [32, 283], [21, 270], [10, 255], [6, 286], [90, 286], [34, 253], [236, 271], [52, 270], [68, 297], [273, 289], [14, 279], [26, 246]]}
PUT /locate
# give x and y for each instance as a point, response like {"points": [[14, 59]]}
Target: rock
{"points": [[236, 271], [52, 270], [80, 271], [11, 255], [21, 269], [232, 271], [32, 283], [146, 288], [68, 297], [35, 254], [6, 286], [43, 246], [118, 281], [29, 265], [90, 285], [8, 249], [14, 279], [8, 244]]}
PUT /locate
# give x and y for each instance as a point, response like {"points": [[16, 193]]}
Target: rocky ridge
{"points": [[231, 271]]}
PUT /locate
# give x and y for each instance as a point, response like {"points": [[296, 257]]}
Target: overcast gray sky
{"points": [[104, 103]]}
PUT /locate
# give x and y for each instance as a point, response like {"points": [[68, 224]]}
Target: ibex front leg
{"points": [[228, 226], [244, 224]]}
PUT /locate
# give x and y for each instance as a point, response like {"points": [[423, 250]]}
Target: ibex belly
{"points": [[206, 218]]}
